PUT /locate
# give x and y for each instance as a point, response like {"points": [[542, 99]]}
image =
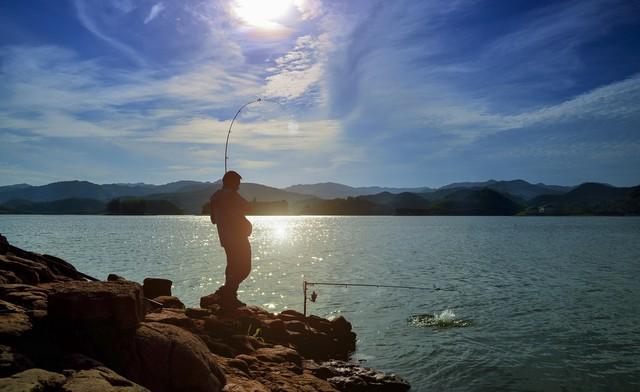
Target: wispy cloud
{"points": [[88, 22], [300, 69], [154, 12]]}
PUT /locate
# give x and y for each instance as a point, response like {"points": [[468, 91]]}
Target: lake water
{"points": [[553, 304]]}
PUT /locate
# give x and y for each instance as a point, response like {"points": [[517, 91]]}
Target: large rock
{"points": [[12, 362], [350, 377], [171, 316], [166, 358], [156, 287], [20, 266], [14, 322], [116, 305], [4, 245], [22, 270], [27, 296], [100, 379], [169, 302], [91, 380], [33, 380]]}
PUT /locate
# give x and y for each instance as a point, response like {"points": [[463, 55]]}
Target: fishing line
{"points": [[314, 295]]}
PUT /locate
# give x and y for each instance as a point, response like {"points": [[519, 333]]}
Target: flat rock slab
{"points": [[100, 379], [114, 304], [33, 380], [14, 322], [350, 377]]}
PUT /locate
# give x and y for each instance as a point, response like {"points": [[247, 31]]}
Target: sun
{"points": [[262, 13]]}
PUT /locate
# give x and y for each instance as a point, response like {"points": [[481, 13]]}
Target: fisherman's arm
{"points": [[212, 208]]}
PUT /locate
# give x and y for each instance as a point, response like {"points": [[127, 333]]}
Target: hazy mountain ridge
{"points": [[333, 190], [191, 197], [88, 190], [592, 199]]}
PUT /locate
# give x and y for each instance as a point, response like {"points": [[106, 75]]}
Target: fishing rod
{"points": [[226, 145], [314, 295]]}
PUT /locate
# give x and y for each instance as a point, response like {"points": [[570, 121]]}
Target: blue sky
{"points": [[395, 93]]}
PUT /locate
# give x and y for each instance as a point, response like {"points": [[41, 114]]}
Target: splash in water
{"points": [[445, 319]]}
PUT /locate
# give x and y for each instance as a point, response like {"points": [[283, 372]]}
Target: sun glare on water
{"points": [[262, 13]]}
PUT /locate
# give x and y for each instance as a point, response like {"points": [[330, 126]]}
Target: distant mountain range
{"points": [[332, 190], [191, 197]]}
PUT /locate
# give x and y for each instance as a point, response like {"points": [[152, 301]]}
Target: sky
{"points": [[361, 92]]}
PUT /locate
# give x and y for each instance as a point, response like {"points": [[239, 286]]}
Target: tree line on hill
{"points": [[516, 197]]}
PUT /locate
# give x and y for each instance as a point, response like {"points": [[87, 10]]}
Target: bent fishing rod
{"points": [[226, 145]]}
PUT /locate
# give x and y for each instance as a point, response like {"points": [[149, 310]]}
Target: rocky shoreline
{"points": [[61, 331]]}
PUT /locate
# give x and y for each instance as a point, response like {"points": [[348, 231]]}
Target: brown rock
{"points": [[115, 278], [20, 266], [221, 328], [14, 322], [24, 295], [291, 314], [27, 271], [243, 344], [113, 304], [240, 365], [100, 379], [248, 359], [171, 316], [32, 380], [197, 313], [350, 377], [4, 245], [156, 287], [244, 385], [295, 325], [163, 357], [278, 354], [77, 361], [274, 330], [170, 302], [320, 324], [12, 362], [8, 277], [341, 326], [218, 347]]}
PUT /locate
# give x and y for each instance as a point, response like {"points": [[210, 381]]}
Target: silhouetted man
{"points": [[228, 212]]}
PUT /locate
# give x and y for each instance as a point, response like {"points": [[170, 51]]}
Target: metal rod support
{"points": [[304, 290]]}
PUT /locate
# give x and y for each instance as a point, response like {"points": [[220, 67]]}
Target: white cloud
{"points": [[300, 69], [615, 101], [292, 84], [88, 22], [309, 9], [49, 91], [268, 135], [154, 12], [251, 164]]}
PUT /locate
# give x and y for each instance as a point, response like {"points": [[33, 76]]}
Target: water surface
{"points": [[553, 303]]}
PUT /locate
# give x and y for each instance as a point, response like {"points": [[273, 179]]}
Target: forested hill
{"points": [[515, 197]]}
